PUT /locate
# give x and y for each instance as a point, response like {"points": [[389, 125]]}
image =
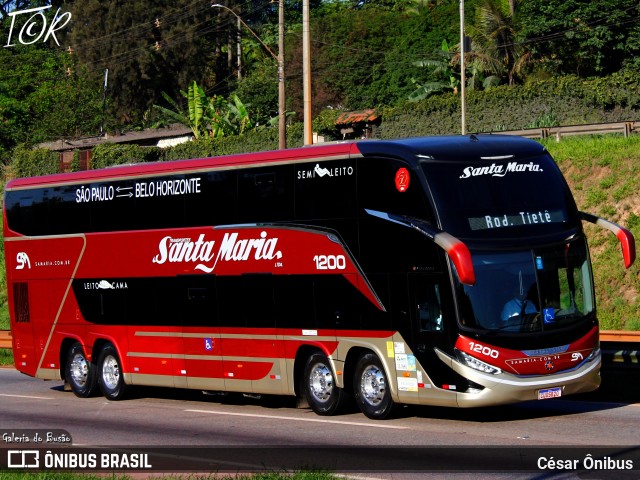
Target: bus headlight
{"points": [[476, 364]]}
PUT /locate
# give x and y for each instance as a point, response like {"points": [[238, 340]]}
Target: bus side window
{"points": [[216, 201], [429, 308], [378, 189], [231, 298], [245, 301], [265, 195], [336, 302], [294, 301], [325, 190]]}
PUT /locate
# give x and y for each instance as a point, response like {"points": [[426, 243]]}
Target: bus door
{"points": [[430, 330], [203, 362], [252, 350], [154, 344]]}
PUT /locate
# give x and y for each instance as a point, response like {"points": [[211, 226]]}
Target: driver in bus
{"points": [[520, 304]]}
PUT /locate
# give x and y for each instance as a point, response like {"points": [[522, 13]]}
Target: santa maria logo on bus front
{"points": [[500, 170], [207, 253]]}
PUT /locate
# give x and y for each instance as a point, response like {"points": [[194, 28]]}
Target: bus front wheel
{"points": [[371, 388], [319, 386], [110, 376], [80, 373]]}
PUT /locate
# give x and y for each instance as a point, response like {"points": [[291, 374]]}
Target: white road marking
{"points": [[26, 396], [293, 419]]}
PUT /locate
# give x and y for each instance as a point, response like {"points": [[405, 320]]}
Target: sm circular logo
{"points": [[402, 179]]}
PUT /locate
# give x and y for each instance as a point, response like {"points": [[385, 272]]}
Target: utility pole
{"points": [[104, 98], [282, 134], [239, 47], [282, 104], [306, 73]]}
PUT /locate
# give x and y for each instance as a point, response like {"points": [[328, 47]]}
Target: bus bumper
{"points": [[505, 388]]}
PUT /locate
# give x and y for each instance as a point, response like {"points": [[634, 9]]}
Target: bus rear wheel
{"points": [[371, 388], [80, 373], [319, 386], [110, 378]]}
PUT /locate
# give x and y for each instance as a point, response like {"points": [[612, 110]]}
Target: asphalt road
{"points": [[230, 424]]}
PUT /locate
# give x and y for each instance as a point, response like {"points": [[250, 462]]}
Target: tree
{"points": [[44, 96], [495, 38], [367, 58], [211, 117], [147, 46], [260, 90], [8, 6], [441, 68], [584, 38]]}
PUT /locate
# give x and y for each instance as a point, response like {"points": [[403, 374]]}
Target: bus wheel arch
{"points": [[79, 372], [318, 382], [372, 387], [350, 363], [110, 374]]}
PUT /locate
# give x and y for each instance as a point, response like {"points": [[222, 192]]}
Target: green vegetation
{"points": [[4, 312], [532, 60], [603, 173], [6, 358], [567, 100]]}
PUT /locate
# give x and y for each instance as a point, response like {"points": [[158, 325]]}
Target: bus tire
{"points": [[110, 378], [319, 386], [371, 388], [79, 372]]}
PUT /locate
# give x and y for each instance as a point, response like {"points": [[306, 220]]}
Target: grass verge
{"points": [[602, 172], [6, 358]]}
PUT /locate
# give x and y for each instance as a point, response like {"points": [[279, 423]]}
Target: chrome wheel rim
{"points": [[320, 382], [110, 372], [373, 385], [79, 370]]}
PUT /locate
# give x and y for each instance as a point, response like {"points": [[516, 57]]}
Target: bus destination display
{"points": [[489, 222]]}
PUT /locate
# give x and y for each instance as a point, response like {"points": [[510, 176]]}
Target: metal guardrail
{"points": [[620, 348], [625, 128], [5, 339]]}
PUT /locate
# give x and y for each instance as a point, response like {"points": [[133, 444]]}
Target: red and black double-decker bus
{"points": [[446, 271]]}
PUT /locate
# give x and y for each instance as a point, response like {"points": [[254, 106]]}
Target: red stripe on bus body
{"points": [[540, 362], [246, 370]]}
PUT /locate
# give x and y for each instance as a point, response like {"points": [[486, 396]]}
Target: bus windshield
{"points": [[528, 291], [500, 200]]}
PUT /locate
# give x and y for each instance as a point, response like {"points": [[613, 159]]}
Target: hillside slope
{"points": [[604, 175]]}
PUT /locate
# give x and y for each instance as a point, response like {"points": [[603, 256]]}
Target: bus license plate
{"points": [[549, 393]]}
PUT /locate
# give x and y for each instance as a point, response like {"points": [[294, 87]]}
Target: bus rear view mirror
{"points": [[624, 236], [455, 248]]}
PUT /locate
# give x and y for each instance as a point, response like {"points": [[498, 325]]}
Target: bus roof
{"points": [[325, 151], [441, 147], [468, 147]]}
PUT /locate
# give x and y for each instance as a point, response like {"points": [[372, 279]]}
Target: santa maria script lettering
{"points": [[203, 252]]}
